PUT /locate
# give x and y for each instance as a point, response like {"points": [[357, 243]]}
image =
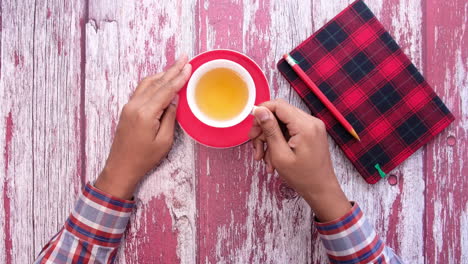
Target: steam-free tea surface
{"points": [[221, 94]]}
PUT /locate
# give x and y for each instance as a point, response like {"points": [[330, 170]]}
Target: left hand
{"points": [[145, 132]]}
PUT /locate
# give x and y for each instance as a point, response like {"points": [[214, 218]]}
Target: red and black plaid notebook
{"points": [[364, 73]]}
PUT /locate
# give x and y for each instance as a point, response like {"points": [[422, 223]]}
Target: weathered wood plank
{"points": [[245, 215], [41, 61], [395, 211], [126, 41], [446, 167], [40, 81], [17, 60]]}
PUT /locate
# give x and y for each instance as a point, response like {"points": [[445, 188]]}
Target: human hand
{"points": [[145, 132], [303, 160]]}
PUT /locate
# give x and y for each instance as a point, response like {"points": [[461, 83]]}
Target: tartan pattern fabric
{"points": [[361, 69], [92, 232], [351, 239]]}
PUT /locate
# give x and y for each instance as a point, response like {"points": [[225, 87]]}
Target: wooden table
{"points": [[68, 67]]}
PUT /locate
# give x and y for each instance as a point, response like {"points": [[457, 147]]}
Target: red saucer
{"points": [[229, 136]]}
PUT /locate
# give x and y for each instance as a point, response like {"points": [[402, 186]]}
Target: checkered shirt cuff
{"points": [[351, 238], [99, 218]]}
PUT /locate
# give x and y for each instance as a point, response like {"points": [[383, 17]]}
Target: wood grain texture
{"points": [[68, 67], [40, 79], [245, 215], [446, 157], [126, 41]]}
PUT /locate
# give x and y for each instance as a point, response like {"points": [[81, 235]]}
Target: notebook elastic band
{"points": [[381, 172]]}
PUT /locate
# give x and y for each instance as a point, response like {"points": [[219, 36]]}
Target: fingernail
{"points": [[175, 101], [261, 113], [253, 110]]}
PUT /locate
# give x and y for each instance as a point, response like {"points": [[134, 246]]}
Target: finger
{"points": [[163, 96], [146, 83], [165, 135], [270, 160], [294, 142], [270, 128], [174, 70], [255, 131], [283, 111], [267, 159], [259, 149]]}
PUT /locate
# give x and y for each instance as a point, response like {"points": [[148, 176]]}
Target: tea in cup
{"points": [[221, 93]]}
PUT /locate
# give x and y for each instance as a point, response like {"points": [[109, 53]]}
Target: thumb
{"points": [[270, 128]]}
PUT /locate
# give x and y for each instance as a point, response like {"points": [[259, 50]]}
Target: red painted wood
{"points": [[220, 173], [6, 189], [65, 74], [242, 215], [125, 42], [39, 84], [402, 19], [446, 167], [155, 239]]}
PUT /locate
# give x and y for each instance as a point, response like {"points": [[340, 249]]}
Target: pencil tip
{"points": [[354, 134]]}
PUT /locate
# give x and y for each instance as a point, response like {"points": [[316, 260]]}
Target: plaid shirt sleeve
{"points": [[351, 239], [92, 232]]}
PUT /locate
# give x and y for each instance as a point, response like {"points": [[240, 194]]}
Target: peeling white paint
{"points": [[127, 46], [437, 229], [282, 243], [407, 26], [464, 233], [461, 81], [410, 227], [113, 46], [39, 84]]}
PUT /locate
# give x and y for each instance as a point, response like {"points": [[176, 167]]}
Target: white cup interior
{"points": [[221, 63]]}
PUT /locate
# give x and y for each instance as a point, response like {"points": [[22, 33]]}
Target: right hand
{"points": [[303, 161]]}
